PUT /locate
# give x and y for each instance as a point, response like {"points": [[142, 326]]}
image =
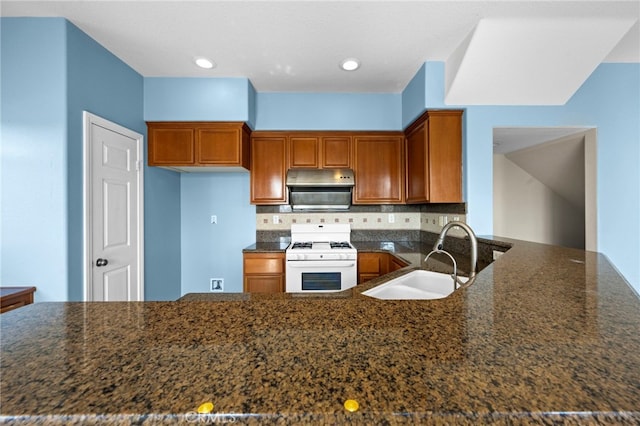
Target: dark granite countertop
{"points": [[412, 252], [545, 334]]}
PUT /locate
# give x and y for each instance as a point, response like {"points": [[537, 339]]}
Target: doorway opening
{"points": [[544, 185]]}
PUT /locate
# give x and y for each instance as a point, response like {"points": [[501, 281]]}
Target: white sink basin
{"points": [[418, 284]]}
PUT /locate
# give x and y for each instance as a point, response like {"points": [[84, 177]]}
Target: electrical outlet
{"points": [[214, 218], [392, 218], [217, 284], [276, 218], [456, 218]]}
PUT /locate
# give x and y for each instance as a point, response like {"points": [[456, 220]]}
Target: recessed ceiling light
{"points": [[350, 64], [205, 63]]}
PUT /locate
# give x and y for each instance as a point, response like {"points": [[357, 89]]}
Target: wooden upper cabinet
{"points": [[319, 151], [336, 152], [197, 146], [223, 145], [445, 156], [170, 146], [268, 169], [379, 169], [304, 151], [434, 158]]}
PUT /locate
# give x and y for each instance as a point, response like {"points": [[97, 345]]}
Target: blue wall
{"points": [[42, 181], [118, 98], [215, 250], [33, 160], [162, 258], [197, 99], [328, 111], [102, 84]]}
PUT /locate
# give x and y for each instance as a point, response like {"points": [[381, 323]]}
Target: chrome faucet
{"points": [[472, 237]]}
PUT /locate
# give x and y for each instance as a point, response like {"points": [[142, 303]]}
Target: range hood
{"points": [[320, 189]]}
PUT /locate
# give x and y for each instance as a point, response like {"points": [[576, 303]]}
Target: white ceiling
{"points": [[496, 52], [510, 139]]}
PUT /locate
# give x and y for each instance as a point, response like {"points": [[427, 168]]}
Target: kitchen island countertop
{"points": [[544, 334]]}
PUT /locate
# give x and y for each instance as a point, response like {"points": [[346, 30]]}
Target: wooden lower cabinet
{"points": [[394, 263], [370, 266], [263, 284], [374, 264], [264, 273]]}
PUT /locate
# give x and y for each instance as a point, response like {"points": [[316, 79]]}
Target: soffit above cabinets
{"points": [[529, 61]]}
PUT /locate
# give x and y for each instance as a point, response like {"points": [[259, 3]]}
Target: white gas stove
{"points": [[320, 258]]}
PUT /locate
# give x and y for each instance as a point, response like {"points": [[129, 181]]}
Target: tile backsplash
{"points": [[416, 220]]}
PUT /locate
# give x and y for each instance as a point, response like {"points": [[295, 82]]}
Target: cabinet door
{"points": [[336, 152], [417, 160], [263, 264], [268, 170], [220, 146], [264, 284], [379, 169], [170, 145], [370, 266], [304, 152], [264, 272], [395, 263], [445, 156]]}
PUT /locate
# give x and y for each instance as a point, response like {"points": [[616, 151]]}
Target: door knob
{"points": [[102, 262]]}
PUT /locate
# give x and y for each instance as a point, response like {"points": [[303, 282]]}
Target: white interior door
{"points": [[114, 219]]}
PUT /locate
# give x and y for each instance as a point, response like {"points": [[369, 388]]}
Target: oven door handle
{"points": [[319, 264]]}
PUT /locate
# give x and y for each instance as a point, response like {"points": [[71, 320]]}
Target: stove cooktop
{"points": [[321, 245]]}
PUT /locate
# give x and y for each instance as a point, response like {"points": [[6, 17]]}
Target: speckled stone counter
{"points": [[544, 335]]}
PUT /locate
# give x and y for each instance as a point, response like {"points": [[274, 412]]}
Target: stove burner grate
{"points": [[302, 245], [339, 244]]}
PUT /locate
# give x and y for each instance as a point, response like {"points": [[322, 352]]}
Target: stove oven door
{"points": [[320, 275]]}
